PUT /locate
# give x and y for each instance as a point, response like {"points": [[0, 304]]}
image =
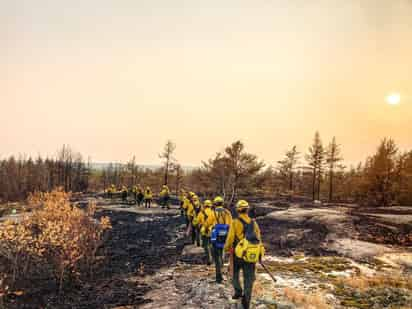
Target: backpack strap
{"points": [[204, 214], [219, 214], [248, 227]]}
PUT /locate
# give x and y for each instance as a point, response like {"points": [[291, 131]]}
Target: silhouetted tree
{"points": [[287, 166], [167, 156], [315, 159], [332, 159]]}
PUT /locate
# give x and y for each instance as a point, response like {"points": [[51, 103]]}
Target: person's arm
{"points": [[210, 221], [190, 211], [257, 231], [200, 218], [228, 217], [230, 238]]}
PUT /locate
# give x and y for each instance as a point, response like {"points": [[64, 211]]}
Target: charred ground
{"points": [[145, 256]]}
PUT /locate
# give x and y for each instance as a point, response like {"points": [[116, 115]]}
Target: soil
{"points": [[134, 248], [385, 225], [147, 262]]}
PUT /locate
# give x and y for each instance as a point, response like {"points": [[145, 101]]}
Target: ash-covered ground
{"points": [[323, 256]]}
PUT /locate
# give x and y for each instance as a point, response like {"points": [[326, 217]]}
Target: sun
{"points": [[393, 98]]}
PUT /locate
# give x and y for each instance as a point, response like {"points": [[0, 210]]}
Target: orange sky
{"points": [[117, 78]]}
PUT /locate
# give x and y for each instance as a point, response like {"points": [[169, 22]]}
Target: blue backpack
{"points": [[219, 231]]}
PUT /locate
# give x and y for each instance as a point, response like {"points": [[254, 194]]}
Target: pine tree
{"points": [[381, 173], [287, 166], [167, 156], [332, 159], [315, 159]]}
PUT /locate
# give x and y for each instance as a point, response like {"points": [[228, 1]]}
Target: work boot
{"points": [[245, 303]]}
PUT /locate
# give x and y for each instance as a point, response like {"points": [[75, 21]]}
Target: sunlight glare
{"points": [[393, 99]]}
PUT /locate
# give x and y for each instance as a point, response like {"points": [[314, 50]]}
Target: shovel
{"points": [[268, 272]]}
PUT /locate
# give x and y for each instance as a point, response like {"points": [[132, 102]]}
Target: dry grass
{"points": [[317, 265], [57, 239], [306, 301], [258, 289], [392, 280]]}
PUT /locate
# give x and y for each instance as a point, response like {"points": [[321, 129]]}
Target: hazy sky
{"points": [[117, 78]]}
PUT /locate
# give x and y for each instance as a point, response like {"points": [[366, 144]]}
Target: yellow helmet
{"points": [[242, 204], [192, 194], [218, 200], [207, 203]]}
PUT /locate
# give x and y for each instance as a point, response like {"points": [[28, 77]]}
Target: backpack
{"points": [[249, 249], [219, 232]]}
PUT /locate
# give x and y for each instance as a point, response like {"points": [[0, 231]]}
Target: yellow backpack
{"points": [[250, 248]]}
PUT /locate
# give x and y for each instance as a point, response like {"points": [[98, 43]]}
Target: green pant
{"points": [[206, 246], [218, 257], [195, 235], [248, 279]]}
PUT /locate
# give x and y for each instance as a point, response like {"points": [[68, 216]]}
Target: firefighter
{"points": [[164, 197], [140, 195], [218, 223], [245, 241], [148, 197], [124, 193], [202, 217]]}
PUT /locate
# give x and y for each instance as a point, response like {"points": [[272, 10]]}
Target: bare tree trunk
{"points": [[177, 180], [166, 172], [314, 184], [331, 186]]}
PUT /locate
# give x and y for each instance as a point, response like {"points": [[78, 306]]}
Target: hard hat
{"points": [[242, 204], [218, 200], [207, 203]]}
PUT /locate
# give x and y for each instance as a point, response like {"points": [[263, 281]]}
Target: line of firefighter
{"points": [[142, 196], [211, 224]]}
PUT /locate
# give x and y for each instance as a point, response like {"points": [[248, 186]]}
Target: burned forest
{"points": [[349, 248]]}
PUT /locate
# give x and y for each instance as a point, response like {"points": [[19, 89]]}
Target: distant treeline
{"points": [[22, 175], [385, 178]]}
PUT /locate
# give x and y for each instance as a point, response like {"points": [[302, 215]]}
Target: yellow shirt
{"points": [[190, 210], [201, 218], [185, 203], [236, 231], [212, 220], [164, 192], [148, 194], [204, 214]]}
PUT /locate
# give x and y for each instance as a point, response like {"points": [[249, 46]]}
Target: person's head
{"points": [[242, 206], [192, 196], [218, 201], [207, 203]]}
